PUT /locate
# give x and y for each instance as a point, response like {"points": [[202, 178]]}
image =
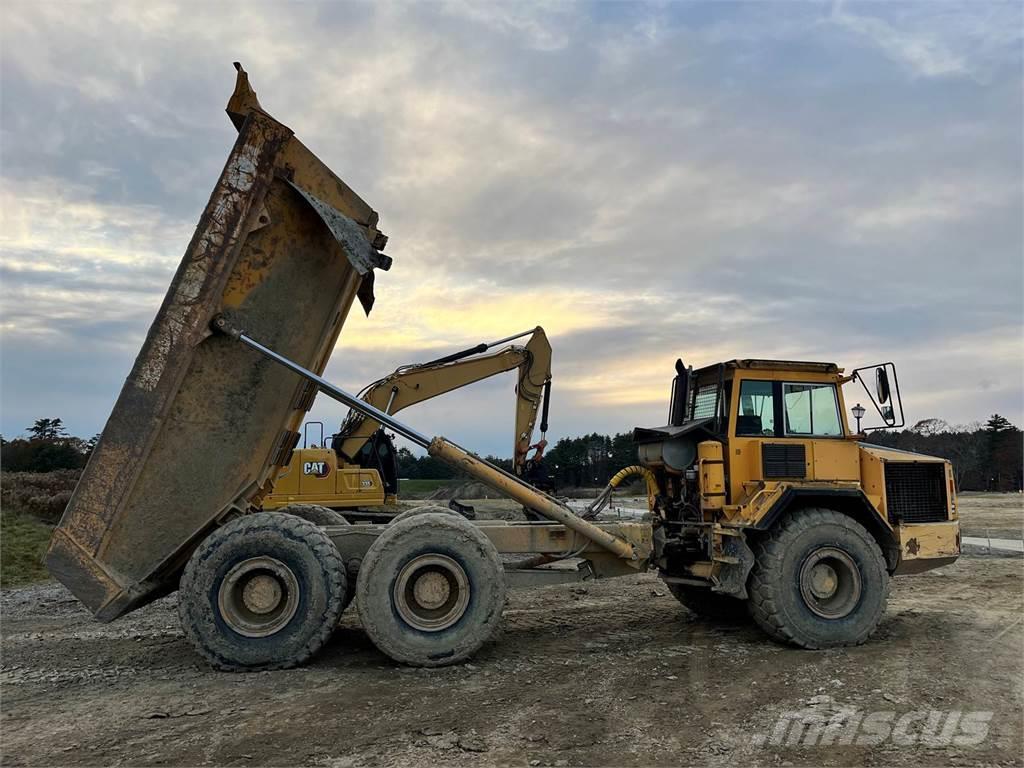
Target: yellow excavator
{"points": [[360, 467]]}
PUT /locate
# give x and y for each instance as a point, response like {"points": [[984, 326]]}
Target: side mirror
{"points": [[882, 386], [680, 388], [886, 398]]}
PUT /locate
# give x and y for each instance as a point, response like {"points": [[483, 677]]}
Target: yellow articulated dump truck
{"points": [[762, 500], [360, 467]]}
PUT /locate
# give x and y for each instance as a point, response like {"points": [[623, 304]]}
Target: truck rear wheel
{"points": [[703, 602], [315, 513], [426, 509], [319, 515], [431, 590], [819, 581], [264, 591]]}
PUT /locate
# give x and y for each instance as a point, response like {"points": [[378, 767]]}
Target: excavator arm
{"points": [[413, 384]]}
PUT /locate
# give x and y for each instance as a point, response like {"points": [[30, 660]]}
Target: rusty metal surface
{"points": [[364, 257], [200, 423]]}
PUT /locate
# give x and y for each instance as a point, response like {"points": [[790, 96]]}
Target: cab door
{"points": [[787, 430]]}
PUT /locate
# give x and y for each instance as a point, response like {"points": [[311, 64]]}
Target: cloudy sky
{"points": [[795, 180]]}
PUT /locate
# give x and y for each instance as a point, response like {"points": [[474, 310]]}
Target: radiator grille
{"points": [[915, 492], [783, 460]]}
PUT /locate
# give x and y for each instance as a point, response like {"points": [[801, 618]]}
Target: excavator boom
{"points": [[413, 384]]}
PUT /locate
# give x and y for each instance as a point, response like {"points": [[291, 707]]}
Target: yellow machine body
{"points": [[744, 448], [314, 476]]}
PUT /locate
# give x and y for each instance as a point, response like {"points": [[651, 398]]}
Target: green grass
{"points": [[414, 488], [23, 541]]}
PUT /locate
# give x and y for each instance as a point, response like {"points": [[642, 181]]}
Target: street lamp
{"points": [[858, 414]]}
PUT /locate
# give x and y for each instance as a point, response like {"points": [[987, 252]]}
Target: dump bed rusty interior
{"points": [[282, 249]]}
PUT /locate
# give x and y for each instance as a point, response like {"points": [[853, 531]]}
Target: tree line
{"points": [[46, 448], [573, 462], [986, 456]]}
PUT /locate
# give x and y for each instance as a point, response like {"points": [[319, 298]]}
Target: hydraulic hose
{"points": [[603, 498]]}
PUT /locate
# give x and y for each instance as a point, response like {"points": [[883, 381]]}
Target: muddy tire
{"points": [[264, 591], [319, 515], [819, 581], [711, 605], [424, 510], [431, 590], [315, 513]]}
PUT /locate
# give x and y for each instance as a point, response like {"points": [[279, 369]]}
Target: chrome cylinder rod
{"points": [[336, 393], [513, 337]]}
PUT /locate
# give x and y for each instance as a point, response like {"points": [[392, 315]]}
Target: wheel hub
{"points": [[830, 583], [261, 594], [431, 592], [823, 581], [258, 596]]}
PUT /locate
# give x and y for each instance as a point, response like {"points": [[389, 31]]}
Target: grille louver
{"points": [[783, 460], [915, 492]]}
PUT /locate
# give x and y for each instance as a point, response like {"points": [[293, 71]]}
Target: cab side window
{"points": [[756, 415], [811, 409]]}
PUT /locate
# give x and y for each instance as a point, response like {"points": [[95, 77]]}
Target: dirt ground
{"points": [[992, 515], [606, 673]]}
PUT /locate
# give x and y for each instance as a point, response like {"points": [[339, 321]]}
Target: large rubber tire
{"points": [[397, 564], [319, 515], [424, 510], [315, 513], [310, 582], [711, 605], [785, 610]]}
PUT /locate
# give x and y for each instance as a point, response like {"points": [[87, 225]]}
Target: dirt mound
{"points": [[465, 491]]}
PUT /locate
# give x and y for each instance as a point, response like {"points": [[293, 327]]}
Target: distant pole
{"points": [[858, 414]]}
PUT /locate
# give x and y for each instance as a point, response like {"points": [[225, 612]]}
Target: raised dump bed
{"points": [[283, 248], [171, 496]]}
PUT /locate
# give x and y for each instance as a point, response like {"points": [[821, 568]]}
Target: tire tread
{"points": [[296, 528], [766, 574]]}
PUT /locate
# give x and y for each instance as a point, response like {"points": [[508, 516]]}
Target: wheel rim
{"points": [[830, 583], [258, 596], [431, 592]]}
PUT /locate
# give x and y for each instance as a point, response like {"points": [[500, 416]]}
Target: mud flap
{"points": [[732, 578]]}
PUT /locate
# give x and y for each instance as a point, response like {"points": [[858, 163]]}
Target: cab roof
{"points": [[773, 365]]}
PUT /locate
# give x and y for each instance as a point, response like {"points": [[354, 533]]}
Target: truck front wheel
{"points": [[264, 591], [819, 580], [712, 605]]}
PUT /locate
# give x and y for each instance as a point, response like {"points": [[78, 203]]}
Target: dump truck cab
{"points": [[753, 444]]}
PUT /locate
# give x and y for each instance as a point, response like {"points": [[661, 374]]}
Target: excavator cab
{"points": [[377, 454]]}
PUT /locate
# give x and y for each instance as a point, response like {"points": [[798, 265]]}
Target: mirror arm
{"points": [[878, 408]]}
